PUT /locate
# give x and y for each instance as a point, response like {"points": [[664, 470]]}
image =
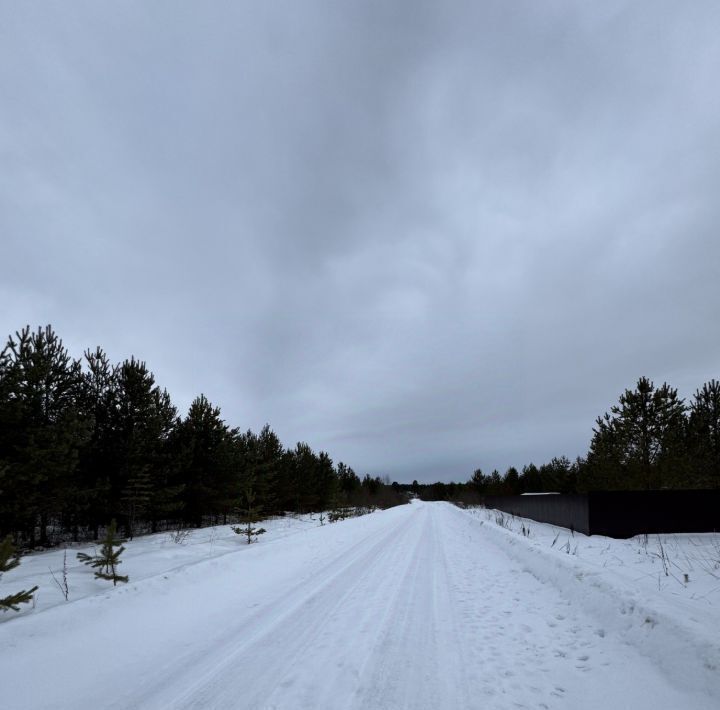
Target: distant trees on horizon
{"points": [[85, 441], [651, 439]]}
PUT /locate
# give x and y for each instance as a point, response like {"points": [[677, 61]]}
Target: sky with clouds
{"points": [[425, 237]]}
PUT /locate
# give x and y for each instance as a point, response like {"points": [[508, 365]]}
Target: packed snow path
{"points": [[416, 607]]}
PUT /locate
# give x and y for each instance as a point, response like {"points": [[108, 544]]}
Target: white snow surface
{"points": [[420, 606]]}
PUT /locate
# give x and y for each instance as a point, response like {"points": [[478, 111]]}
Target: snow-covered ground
{"points": [[144, 557], [420, 606]]}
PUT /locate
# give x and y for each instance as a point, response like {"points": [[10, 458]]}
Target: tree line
{"points": [[651, 439], [86, 441]]}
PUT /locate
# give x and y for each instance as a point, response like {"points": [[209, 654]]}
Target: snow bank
{"points": [[412, 607], [676, 624], [144, 557]]}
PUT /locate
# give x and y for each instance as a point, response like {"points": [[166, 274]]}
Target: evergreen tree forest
{"points": [[650, 440], [87, 441]]}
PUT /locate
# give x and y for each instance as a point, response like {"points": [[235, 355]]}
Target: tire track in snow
{"points": [[423, 614], [420, 607], [418, 663], [254, 657]]}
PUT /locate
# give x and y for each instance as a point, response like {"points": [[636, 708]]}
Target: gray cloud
{"points": [[425, 237]]}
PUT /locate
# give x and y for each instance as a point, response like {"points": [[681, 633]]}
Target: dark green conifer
{"points": [[9, 560], [144, 422], [208, 450], [107, 562], [42, 430], [251, 515], [640, 444], [704, 435]]}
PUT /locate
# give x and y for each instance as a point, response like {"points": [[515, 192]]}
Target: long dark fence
{"points": [[619, 514]]}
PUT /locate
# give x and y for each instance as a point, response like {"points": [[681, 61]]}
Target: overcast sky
{"points": [[423, 236]]}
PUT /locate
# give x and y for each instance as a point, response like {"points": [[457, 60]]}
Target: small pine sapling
{"points": [[180, 535], [250, 516], [338, 510], [334, 514], [108, 560], [9, 559]]}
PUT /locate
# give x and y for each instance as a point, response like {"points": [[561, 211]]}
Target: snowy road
{"points": [[417, 607]]}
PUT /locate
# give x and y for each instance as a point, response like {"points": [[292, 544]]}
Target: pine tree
{"points": [[704, 435], [604, 469], [42, 429], [265, 468], [107, 562], [9, 560], [640, 444], [338, 509], [313, 478], [135, 497], [99, 458], [478, 482], [251, 515], [325, 480], [302, 462], [559, 475], [495, 483], [346, 484], [144, 422], [209, 453], [511, 481]]}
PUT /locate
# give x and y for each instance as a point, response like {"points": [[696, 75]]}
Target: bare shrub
{"points": [[62, 583]]}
